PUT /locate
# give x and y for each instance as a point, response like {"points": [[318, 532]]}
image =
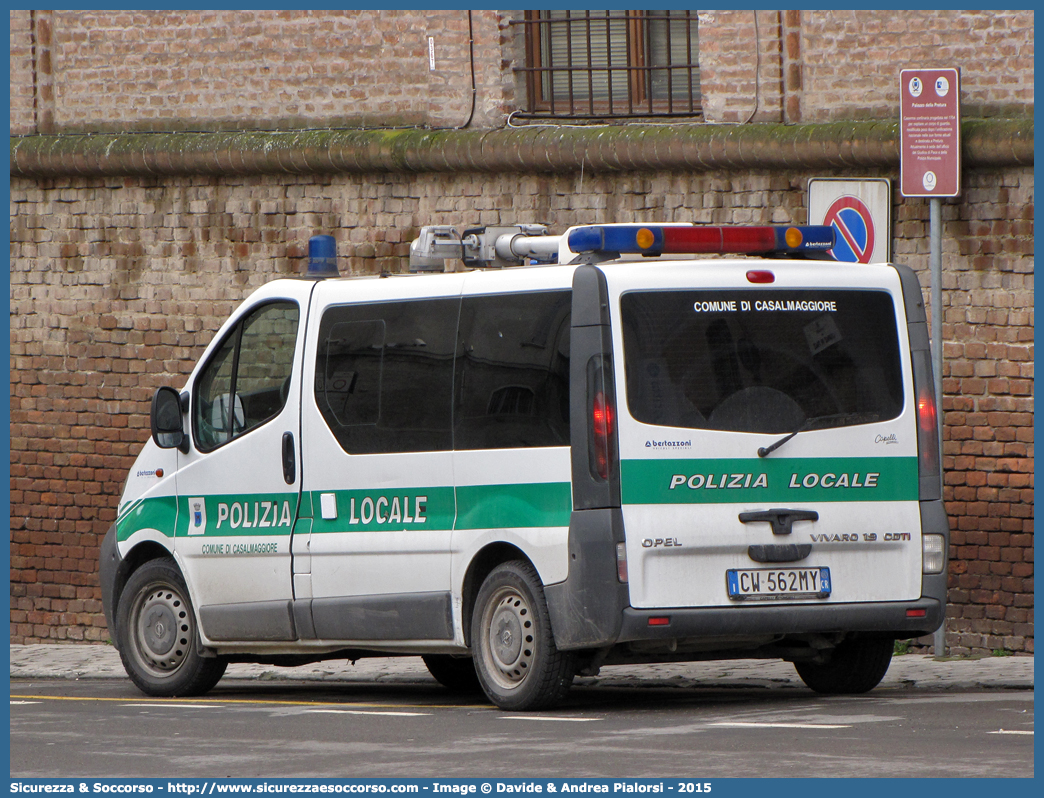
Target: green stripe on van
{"points": [[479, 506], [222, 515], [768, 480], [237, 514], [514, 506], [159, 513], [476, 507], [385, 510]]}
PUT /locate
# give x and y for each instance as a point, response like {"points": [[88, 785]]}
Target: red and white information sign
{"points": [[930, 129]]}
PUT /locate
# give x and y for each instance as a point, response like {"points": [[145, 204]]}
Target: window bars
{"points": [[596, 64]]}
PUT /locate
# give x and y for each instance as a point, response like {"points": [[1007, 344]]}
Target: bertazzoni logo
{"points": [[669, 445]]}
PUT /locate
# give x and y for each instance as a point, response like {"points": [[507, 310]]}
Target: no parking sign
{"points": [[860, 211]]}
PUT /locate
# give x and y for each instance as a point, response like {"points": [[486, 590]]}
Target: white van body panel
{"points": [[544, 545], [546, 469], [147, 535], [872, 548], [345, 558], [148, 505]]}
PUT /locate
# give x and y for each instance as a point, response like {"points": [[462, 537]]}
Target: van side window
{"points": [[513, 371], [246, 382], [384, 375]]}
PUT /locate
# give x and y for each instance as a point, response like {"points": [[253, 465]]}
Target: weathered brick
{"points": [[307, 69], [117, 284]]}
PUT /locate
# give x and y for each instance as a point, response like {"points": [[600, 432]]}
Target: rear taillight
{"points": [[601, 419], [927, 432], [929, 464], [602, 429]]}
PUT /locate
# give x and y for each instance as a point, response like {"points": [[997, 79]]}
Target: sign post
{"points": [[930, 166]]}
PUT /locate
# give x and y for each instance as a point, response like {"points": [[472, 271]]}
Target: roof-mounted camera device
{"points": [[483, 247]]}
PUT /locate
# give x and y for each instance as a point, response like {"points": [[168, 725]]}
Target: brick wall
{"points": [[741, 65], [117, 285], [819, 66], [851, 60], [988, 404], [184, 70], [22, 114]]}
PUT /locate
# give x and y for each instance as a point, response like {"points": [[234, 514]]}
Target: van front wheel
{"points": [[157, 634], [857, 665], [517, 662]]}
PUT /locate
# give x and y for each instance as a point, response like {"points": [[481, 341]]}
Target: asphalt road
{"points": [[247, 729]]}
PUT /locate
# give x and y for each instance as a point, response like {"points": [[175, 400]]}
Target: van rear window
{"points": [[761, 361]]}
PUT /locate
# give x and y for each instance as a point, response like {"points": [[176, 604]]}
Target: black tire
{"points": [[857, 665], [157, 637], [454, 673], [516, 660]]}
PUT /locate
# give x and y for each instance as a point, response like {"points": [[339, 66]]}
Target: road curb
{"points": [[93, 661]]}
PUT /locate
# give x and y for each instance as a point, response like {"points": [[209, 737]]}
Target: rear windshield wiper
{"points": [[851, 418]]}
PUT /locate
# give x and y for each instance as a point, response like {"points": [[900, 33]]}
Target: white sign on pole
{"points": [[859, 210]]}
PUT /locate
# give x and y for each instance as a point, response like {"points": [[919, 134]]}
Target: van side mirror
{"points": [[165, 419]]}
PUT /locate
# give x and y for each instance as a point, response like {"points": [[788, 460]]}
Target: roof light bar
{"points": [[700, 239]]}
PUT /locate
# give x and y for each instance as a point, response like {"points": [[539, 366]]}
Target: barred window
{"points": [[611, 63]]}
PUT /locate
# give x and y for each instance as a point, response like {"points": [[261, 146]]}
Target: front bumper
{"points": [[109, 561]]}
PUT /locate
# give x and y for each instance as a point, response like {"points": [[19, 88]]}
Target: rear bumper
{"points": [[590, 609], [753, 620]]}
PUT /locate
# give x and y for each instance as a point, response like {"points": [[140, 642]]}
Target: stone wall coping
{"points": [[987, 143]]}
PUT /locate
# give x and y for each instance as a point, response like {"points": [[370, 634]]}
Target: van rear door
{"points": [[768, 439]]}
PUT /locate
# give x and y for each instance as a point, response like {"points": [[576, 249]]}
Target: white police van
{"points": [[618, 453]]}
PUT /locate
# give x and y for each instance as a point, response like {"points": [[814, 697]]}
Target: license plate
{"points": [[772, 583]]}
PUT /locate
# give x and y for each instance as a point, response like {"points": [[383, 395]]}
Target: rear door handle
{"points": [[782, 520], [289, 459]]}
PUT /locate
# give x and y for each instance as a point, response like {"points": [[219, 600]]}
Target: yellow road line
{"points": [[233, 701]]}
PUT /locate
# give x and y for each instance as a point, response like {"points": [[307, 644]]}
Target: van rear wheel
{"points": [[857, 665], [516, 660], [156, 630]]}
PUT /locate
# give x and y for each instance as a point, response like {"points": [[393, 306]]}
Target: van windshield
{"points": [[761, 361]]}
